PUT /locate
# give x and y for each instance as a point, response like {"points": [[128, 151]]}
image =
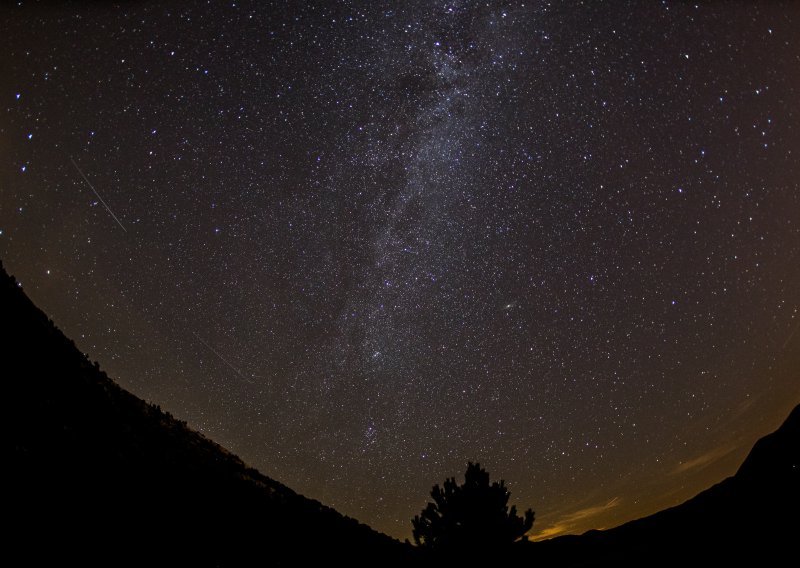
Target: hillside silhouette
{"points": [[750, 517], [98, 476]]}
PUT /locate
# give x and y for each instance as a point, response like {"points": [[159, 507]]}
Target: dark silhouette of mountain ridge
{"points": [[96, 476], [99, 476], [776, 456], [750, 517]]}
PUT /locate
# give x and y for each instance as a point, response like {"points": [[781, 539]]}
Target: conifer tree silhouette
{"points": [[471, 517]]}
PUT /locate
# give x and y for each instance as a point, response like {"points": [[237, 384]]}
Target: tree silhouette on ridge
{"points": [[474, 516]]}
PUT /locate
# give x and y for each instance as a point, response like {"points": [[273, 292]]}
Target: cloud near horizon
{"points": [[567, 523], [703, 460]]}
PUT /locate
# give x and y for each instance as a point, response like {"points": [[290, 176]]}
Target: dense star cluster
{"points": [[361, 243]]}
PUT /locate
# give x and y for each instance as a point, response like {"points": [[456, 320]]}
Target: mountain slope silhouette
{"points": [[98, 476], [751, 516]]}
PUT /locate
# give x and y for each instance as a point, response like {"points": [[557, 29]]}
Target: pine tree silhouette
{"points": [[473, 517]]}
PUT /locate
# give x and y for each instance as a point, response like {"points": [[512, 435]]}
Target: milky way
{"points": [[362, 243]]}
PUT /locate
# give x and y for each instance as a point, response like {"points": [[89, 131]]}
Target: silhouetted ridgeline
{"points": [[750, 518], [99, 475], [96, 475]]}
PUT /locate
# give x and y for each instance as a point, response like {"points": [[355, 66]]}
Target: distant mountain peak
{"points": [[776, 454], [751, 516]]}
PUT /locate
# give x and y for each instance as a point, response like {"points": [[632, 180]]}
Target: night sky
{"points": [[361, 243]]}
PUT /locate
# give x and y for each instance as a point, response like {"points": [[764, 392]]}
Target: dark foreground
{"points": [[99, 477]]}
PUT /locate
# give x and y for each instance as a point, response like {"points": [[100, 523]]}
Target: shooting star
{"points": [[97, 194], [221, 358], [791, 335]]}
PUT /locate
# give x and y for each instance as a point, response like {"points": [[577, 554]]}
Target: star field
{"points": [[361, 243]]}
